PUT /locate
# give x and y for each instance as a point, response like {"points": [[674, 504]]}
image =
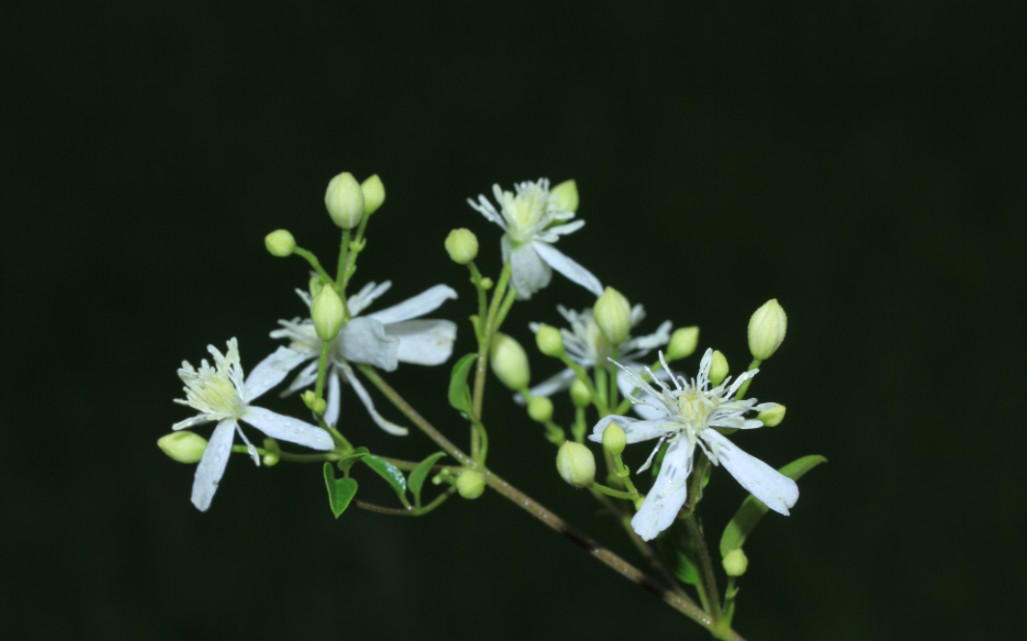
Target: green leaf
{"points": [[459, 391], [420, 474], [752, 509], [678, 551], [392, 474], [350, 459], [340, 491]]}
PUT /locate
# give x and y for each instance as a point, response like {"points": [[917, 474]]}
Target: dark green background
{"points": [[861, 161]]}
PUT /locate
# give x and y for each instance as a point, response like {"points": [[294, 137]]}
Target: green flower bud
{"points": [[565, 196], [612, 314], [735, 562], [718, 368], [540, 409], [576, 464], [462, 246], [183, 446], [280, 243], [373, 192], [470, 484], [328, 313], [345, 200], [773, 416], [767, 329], [682, 343], [549, 341], [614, 439], [509, 362], [273, 452], [314, 286], [580, 395]]}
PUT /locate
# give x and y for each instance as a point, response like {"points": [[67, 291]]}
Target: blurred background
{"points": [[861, 161]]}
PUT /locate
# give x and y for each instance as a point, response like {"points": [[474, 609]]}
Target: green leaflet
{"points": [[752, 509], [420, 474], [392, 474], [340, 491], [459, 391], [678, 551]]}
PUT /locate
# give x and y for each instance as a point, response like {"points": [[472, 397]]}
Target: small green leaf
{"points": [[752, 509], [420, 474], [459, 391], [350, 459], [678, 551], [340, 491], [389, 472]]}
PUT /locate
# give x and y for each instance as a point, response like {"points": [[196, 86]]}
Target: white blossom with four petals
{"points": [[533, 221], [383, 339], [686, 415], [221, 394]]}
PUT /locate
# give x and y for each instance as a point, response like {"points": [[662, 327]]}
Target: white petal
{"points": [[365, 398], [270, 371], [334, 400], [556, 383], [287, 428], [427, 301], [364, 340], [776, 490], [529, 272], [572, 270], [252, 451], [306, 377], [212, 465], [635, 430], [650, 342], [192, 421], [368, 294], [423, 342], [668, 494], [627, 388]]}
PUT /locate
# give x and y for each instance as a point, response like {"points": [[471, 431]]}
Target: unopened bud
{"points": [[549, 341], [328, 313], [682, 343], [612, 314], [373, 192], [580, 395], [272, 452], [565, 196], [576, 464], [540, 409], [614, 439], [183, 446], [735, 562], [767, 329], [718, 368], [280, 243], [344, 200], [772, 417], [462, 246], [509, 362], [470, 484]]}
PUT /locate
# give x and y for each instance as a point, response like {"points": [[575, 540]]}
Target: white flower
{"points": [[383, 339], [221, 394], [688, 415], [586, 346], [533, 222]]}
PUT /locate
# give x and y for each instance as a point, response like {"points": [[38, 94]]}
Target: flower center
{"points": [[212, 391], [695, 408], [525, 211]]}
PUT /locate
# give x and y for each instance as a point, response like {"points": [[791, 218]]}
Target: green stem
{"points": [[708, 582], [413, 511], [289, 456], [609, 491], [485, 342], [322, 367], [476, 278], [314, 262], [340, 270]]}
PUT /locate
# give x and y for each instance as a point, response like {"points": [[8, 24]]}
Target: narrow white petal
{"points": [[556, 383], [627, 389], [270, 372], [635, 430], [368, 294], [192, 421], [250, 449], [212, 465], [423, 342], [427, 301], [776, 490], [668, 494], [572, 270], [529, 272], [365, 398], [650, 342], [334, 400], [306, 377], [364, 340], [287, 428]]}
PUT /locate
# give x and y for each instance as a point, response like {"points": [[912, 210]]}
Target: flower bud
{"points": [[565, 196], [614, 439], [735, 562], [373, 192], [549, 341], [327, 313], [580, 395], [772, 417], [462, 246], [540, 409], [718, 368], [576, 464], [682, 343], [767, 329], [345, 200], [183, 446], [470, 484], [273, 453], [280, 243], [612, 314], [509, 362]]}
